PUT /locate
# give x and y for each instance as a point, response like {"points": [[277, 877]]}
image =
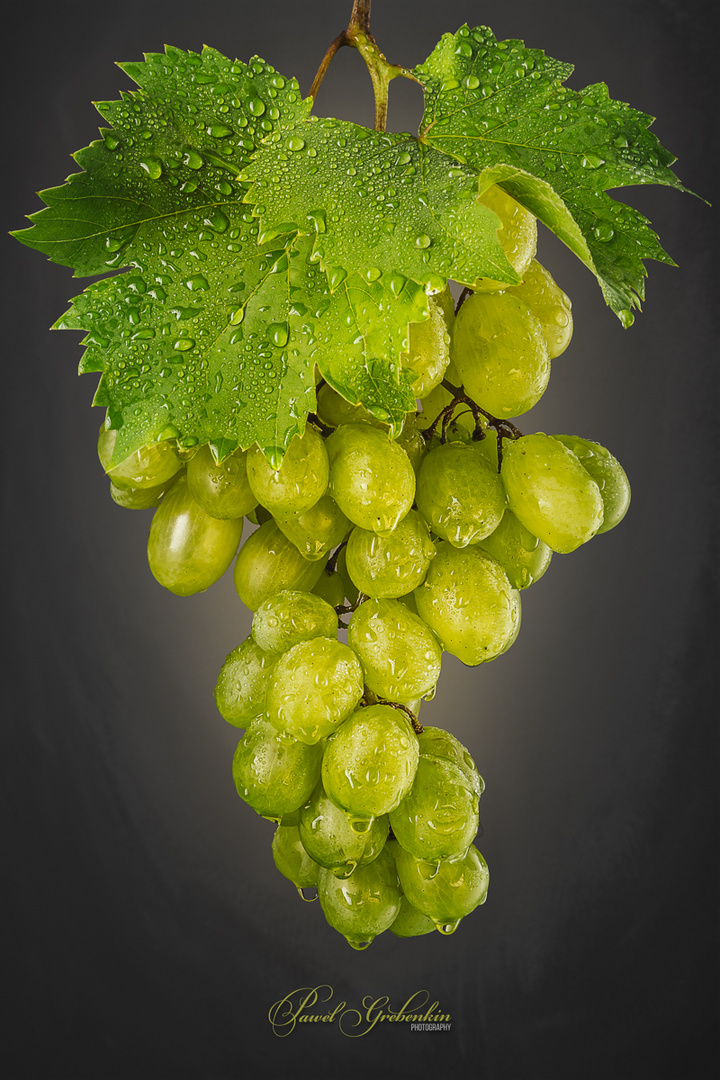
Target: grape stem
{"points": [[370, 698], [347, 609], [504, 428], [358, 36]]}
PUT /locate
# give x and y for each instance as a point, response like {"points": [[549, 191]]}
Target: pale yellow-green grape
{"points": [[333, 409], [411, 440], [410, 922], [428, 351], [291, 858], [517, 235], [437, 743], [242, 683], [331, 588], [149, 467], [364, 904], [351, 590], [488, 447], [608, 474], [268, 562], [446, 303], [371, 478], [438, 818], [141, 498], [291, 616], [274, 773], [393, 565], [328, 835], [548, 303], [188, 550], [447, 893], [221, 489], [550, 492], [460, 494], [469, 603], [500, 353], [313, 687], [315, 532], [370, 762], [299, 482], [522, 556], [400, 655]]}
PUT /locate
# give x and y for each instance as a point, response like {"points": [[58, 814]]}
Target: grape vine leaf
{"points": [[263, 243], [211, 336], [501, 109], [376, 203]]}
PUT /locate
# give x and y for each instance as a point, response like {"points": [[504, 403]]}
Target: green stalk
{"points": [[358, 36]]}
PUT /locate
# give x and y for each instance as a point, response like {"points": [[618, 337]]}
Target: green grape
{"points": [[187, 549], [315, 532], [517, 234], [291, 858], [500, 353], [351, 591], [393, 565], [608, 474], [242, 683], [459, 493], [438, 818], [328, 835], [409, 601], [363, 905], [438, 743], [400, 655], [149, 467], [468, 602], [291, 616], [428, 351], [330, 588], [222, 490], [522, 556], [411, 440], [333, 409], [371, 477], [273, 772], [141, 498], [444, 893], [549, 304], [550, 492], [299, 481], [369, 763], [488, 447], [268, 562], [314, 686], [446, 303], [410, 922]]}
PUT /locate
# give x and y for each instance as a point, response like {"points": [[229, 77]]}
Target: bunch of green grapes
{"points": [[373, 812], [424, 543]]}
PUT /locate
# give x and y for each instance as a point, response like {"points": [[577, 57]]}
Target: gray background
{"points": [[147, 930]]}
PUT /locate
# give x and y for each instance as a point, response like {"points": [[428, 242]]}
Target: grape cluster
{"points": [[424, 542]]}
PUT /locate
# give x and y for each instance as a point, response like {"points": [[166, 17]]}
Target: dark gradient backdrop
{"points": [[147, 930]]}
